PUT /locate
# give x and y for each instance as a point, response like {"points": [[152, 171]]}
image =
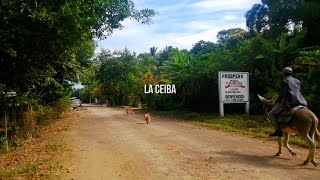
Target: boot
{"points": [[276, 133]]}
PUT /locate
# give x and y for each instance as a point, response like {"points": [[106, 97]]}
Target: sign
{"points": [[233, 88]]}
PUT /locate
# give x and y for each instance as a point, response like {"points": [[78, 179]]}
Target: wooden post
{"points": [[6, 128], [32, 121]]}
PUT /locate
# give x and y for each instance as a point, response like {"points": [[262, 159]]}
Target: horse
{"points": [[304, 122]]}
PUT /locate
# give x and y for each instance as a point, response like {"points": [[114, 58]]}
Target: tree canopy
{"points": [[47, 44], [280, 34]]}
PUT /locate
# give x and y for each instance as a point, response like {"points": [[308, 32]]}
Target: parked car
{"points": [[75, 102]]}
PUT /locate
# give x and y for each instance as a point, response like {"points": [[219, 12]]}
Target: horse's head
{"points": [[267, 106]]}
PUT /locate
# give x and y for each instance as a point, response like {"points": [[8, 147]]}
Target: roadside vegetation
{"points": [[279, 34], [41, 157], [45, 46]]}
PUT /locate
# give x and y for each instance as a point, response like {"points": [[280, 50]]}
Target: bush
{"points": [[29, 124], [62, 106], [45, 115], [256, 108], [191, 115]]}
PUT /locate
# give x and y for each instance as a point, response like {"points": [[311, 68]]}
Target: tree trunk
{"points": [[6, 128], [32, 122]]}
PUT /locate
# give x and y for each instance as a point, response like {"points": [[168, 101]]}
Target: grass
{"points": [[27, 170], [30, 171], [35, 169], [43, 168], [56, 144], [251, 125], [248, 125]]}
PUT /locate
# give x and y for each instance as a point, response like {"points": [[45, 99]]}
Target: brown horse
{"points": [[304, 122]]}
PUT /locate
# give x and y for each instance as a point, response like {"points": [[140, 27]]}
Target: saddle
{"points": [[287, 114]]}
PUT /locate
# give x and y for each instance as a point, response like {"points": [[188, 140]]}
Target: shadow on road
{"points": [[141, 123], [263, 161]]}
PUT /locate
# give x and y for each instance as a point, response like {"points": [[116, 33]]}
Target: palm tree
{"points": [[153, 51]]}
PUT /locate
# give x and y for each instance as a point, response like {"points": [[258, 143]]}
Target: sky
{"points": [[179, 23]]}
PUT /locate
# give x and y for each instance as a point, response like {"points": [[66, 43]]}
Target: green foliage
{"points": [[281, 33], [287, 16], [48, 43], [46, 46], [202, 47], [117, 76]]}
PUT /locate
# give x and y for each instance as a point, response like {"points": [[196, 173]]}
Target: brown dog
{"points": [[147, 118]]}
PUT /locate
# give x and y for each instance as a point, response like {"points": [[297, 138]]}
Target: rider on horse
{"points": [[290, 96]]}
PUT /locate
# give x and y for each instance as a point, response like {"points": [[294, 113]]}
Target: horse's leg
{"points": [[313, 161], [286, 144], [312, 148], [280, 146]]}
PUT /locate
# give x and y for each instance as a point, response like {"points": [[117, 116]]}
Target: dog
{"points": [[147, 118], [128, 109]]}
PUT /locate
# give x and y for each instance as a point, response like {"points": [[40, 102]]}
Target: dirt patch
{"points": [[38, 158]]}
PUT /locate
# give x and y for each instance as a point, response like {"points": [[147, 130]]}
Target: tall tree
{"points": [[286, 16], [45, 43], [202, 47], [153, 51]]}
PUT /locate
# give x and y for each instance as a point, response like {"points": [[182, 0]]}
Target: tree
{"points": [[165, 54], [231, 37], [45, 44], [275, 17], [202, 47], [258, 58], [118, 77], [147, 63], [153, 51], [286, 48]]}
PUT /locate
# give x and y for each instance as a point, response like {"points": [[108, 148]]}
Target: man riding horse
{"points": [[299, 119], [290, 96]]}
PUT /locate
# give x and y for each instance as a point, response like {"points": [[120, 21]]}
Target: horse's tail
{"points": [[317, 134], [315, 123]]}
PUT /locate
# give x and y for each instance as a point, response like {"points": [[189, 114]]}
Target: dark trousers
{"points": [[274, 114]]}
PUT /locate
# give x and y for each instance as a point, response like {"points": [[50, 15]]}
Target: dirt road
{"points": [[107, 144]]}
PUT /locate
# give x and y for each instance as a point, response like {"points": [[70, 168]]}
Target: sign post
{"points": [[233, 88]]}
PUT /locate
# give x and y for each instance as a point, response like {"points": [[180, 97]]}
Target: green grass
{"points": [[248, 125]]}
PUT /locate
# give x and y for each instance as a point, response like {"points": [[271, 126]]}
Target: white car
{"points": [[75, 103]]}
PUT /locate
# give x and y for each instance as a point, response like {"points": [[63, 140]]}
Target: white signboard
{"points": [[233, 88]]}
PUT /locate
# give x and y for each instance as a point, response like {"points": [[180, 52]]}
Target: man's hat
{"points": [[287, 70]]}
